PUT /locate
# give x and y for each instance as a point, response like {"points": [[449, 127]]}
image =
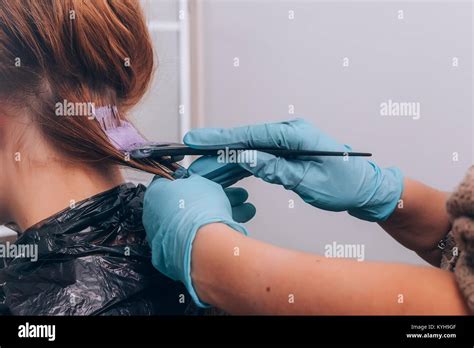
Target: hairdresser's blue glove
{"points": [[331, 183], [174, 211]]}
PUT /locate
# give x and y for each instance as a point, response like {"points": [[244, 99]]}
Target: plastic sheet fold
{"points": [[92, 259]]}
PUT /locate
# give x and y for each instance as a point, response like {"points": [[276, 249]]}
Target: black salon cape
{"points": [[93, 259]]}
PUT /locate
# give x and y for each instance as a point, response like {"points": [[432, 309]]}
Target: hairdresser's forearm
{"points": [[244, 276], [422, 221]]}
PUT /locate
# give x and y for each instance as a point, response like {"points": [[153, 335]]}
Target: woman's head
{"points": [[75, 53]]}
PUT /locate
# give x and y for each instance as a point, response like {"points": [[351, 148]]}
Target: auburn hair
{"points": [[79, 51]]}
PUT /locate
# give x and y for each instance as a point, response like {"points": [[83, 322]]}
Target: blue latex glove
{"points": [[173, 212], [331, 183]]}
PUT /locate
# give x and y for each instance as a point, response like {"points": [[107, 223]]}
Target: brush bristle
{"points": [[122, 134]]}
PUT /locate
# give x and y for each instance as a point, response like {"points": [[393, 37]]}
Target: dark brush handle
{"points": [[155, 152]]}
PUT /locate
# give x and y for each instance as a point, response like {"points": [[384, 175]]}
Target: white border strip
{"points": [[184, 72]]}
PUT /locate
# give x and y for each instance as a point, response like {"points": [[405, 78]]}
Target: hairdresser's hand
{"points": [[331, 183], [175, 210]]}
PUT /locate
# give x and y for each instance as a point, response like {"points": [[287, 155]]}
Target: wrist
{"points": [[383, 198], [212, 224]]}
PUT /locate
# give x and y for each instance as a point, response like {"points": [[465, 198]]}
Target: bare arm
{"points": [[422, 221], [244, 276]]}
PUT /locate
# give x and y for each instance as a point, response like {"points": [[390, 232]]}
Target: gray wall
{"points": [[157, 115], [299, 62]]}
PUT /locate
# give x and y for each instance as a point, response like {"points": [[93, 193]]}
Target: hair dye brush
{"points": [[125, 137]]}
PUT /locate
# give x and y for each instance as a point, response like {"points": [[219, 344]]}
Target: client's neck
{"points": [[41, 189]]}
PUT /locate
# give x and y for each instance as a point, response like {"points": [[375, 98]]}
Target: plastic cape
{"points": [[92, 259]]}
